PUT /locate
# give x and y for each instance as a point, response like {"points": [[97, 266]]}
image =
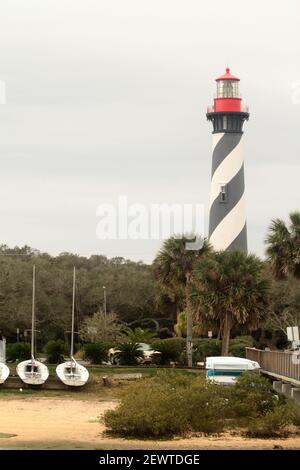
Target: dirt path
{"points": [[66, 423]]}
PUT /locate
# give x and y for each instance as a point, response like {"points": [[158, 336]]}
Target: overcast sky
{"points": [[108, 98]]}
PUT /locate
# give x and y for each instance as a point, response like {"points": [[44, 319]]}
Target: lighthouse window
{"points": [[223, 193], [224, 122], [228, 89]]}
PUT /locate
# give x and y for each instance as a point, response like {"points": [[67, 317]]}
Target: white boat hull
{"points": [[36, 375], [72, 374], [4, 372], [230, 363], [225, 369]]}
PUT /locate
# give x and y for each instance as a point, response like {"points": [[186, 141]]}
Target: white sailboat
{"points": [[71, 373], [32, 372], [4, 370]]}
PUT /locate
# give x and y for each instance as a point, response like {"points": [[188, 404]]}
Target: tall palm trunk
{"points": [[226, 334], [189, 325]]}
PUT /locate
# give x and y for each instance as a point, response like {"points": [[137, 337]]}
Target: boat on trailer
{"points": [[31, 371], [72, 373], [226, 369]]}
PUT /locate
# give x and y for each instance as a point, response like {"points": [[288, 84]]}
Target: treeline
{"points": [[187, 292], [130, 291]]}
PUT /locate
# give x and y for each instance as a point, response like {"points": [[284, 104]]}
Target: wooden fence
{"points": [[278, 363]]}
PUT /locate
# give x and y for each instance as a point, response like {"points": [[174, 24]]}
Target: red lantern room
{"points": [[228, 96]]}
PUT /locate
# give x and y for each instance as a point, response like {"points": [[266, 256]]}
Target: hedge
{"points": [[55, 351], [173, 349]]}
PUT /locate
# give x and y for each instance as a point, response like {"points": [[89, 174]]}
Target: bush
{"points": [[18, 352], [238, 345], [251, 396], [172, 404], [55, 350], [129, 353], [96, 352], [152, 408], [170, 348], [167, 405], [206, 406], [274, 423], [204, 348]]}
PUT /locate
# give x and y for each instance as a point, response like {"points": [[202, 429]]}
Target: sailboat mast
{"points": [[33, 312], [73, 313]]}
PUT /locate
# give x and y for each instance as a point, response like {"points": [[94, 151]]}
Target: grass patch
{"points": [[94, 389], [104, 370]]}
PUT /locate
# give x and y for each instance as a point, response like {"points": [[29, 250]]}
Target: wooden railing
{"points": [[281, 363]]}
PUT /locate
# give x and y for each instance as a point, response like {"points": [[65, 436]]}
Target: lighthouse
{"points": [[227, 211]]}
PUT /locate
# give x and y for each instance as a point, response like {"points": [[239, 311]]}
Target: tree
{"points": [[283, 247], [232, 288], [140, 335], [54, 292], [283, 251], [285, 305], [101, 327], [173, 267]]}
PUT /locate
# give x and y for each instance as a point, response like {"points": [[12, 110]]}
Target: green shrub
{"points": [[238, 345], [128, 353], [204, 348], [167, 405], [251, 396], [17, 352], [171, 404], [206, 406], [55, 351], [151, 408], [274, 423], [170, 348], [96, 352]]}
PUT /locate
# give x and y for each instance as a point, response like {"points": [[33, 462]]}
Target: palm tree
{"points": [[128, 353], [283, 247], [232, 288], [140, 335], [173, 267]]}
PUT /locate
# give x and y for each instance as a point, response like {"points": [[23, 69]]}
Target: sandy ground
{"points": [[53, 423]]}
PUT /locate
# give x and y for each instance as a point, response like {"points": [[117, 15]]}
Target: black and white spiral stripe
{"points": [[227, 220]]}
